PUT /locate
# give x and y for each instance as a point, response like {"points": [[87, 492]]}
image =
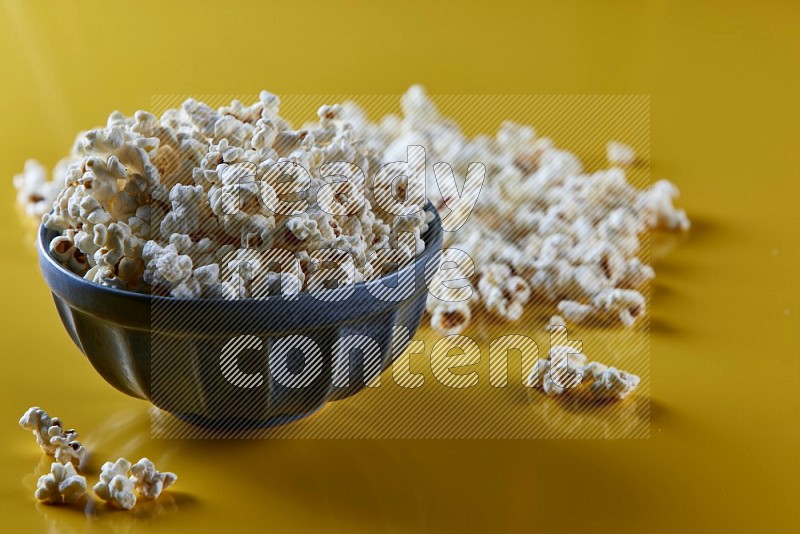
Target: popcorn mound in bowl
{"points": [[166, 205], [177, 205]]}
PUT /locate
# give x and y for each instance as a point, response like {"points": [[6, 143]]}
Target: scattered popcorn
{"points": [[557, 373], [52, 438], [608, 306], [448, 317], [572, 237], [608, 382], [156, 204], [67, 448], [35, 192], [503, 294], [148, 482], [565, 371], [115, 486], [620, 153], [657, 203], [39, 423], [62, 485]]}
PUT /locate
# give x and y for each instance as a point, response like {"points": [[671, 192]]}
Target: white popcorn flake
{"points": [[449, 318], [52, 438], [608, 382], [620, 153], [35, 191], [149, 482], [657, 202], [115, 486], [39, 423], [62, 485], [566, 371], [570, 235], [610, 305], [503, 294], [66, 448]]}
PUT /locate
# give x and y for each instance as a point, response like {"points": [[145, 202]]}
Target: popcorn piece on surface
{"points": [[62, 485], [67, 448], [449, 318], [503, 294], [608, 382], [147, 481], [565, 371], [657, 202], [114, 485], [556, 375], [608, 306], [620, 153], [35, 192], [43, 428]]}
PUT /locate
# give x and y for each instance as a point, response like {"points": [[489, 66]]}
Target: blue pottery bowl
{"points": [[177, 352]]}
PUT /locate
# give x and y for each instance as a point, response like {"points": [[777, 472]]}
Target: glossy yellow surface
{"points": [[723, 447]]}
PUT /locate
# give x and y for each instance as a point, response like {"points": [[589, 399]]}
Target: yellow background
{"points": [[723, 446]]}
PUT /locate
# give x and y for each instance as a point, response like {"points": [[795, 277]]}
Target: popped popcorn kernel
{"points": [[38, 422], [449, 318], [620, 153], [62, 485], [35, 190], [52, 438], [149, 482], [67, 449], [566, 371], [114, 485]]}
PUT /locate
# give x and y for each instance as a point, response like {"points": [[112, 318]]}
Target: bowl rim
{"points": [[431, 236]]}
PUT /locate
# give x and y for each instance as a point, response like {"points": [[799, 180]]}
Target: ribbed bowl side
{"points": [[128, 369]]}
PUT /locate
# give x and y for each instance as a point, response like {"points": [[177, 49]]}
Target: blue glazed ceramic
{"points": [[168, 350]]}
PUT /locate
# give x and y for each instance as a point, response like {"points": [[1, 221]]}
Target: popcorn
{"points": [[51, 436], [214, 178], [67, 448], [610, 305], [39, 423], [620, 154], [151, 204], [62, 485], [571, 236], [502, 293], [35, 192], [449, 318], [608, 382], [566, 371], [635, 274], [115, 486], [559, 372], [63, 249], [148, 482], [657, 203], [186, 214]]}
